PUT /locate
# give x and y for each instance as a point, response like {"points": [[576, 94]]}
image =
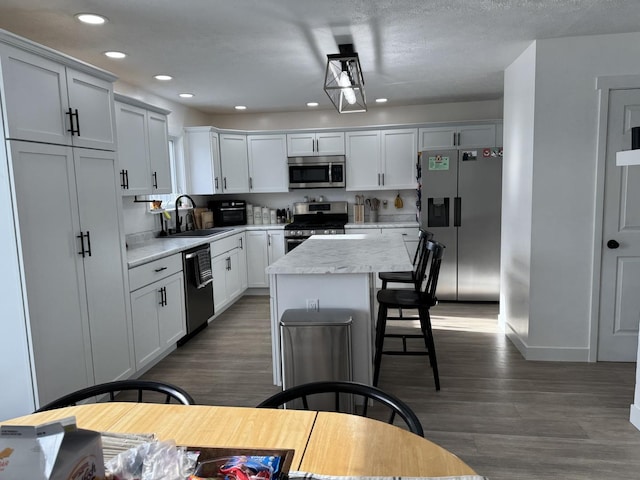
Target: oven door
{"points": [[291, 243]]}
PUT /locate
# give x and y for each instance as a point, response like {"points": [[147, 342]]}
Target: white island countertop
{"points": [[349, 253]]}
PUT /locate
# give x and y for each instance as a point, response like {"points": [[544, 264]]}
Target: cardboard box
{"points": [[51, 451]]}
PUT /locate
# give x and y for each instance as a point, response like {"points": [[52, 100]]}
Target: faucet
{"points": [[178, 220]]}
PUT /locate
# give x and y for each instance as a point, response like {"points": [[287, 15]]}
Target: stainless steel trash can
{"points": [[316, 346]]}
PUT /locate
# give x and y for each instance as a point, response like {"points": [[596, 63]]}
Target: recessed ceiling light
{"points": [[381, 100], [164, 78], [240, 107], [113, 54], [186, 95], [312, 104], [91, 18]]}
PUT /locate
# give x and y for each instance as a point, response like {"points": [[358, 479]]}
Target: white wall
{"points": [[376, 116], [517, 185], [180, 116], [564, 186]]}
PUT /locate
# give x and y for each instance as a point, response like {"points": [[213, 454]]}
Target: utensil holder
{"points": [[358, 213], [373, 216]]}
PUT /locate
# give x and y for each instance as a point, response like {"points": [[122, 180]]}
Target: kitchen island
{"points": [[337, 271]]}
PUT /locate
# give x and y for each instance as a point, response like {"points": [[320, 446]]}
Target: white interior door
{"points": [[620, 277]]}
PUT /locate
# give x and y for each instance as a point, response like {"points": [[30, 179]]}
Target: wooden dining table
{"points": [[325, 443]]}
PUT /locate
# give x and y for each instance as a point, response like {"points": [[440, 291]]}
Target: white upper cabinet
{"points": [[235, 163], [49, 102], [143, 147], [457, 136], [382, 159], [202, 161], [268, 171], [315, 144], [363, 160], [159, 152]]}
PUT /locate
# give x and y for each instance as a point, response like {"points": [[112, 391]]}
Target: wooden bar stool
{"points": [[407, 277], [422, 298]]}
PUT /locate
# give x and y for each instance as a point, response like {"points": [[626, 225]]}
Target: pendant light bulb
{"points": [[345, 83]]}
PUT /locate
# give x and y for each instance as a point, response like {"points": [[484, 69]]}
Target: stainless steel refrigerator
{"points": [[461, 203]]}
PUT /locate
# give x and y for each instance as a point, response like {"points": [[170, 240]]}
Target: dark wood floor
{"points": [[506, 417]]}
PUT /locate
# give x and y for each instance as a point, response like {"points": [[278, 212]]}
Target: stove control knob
{"points": [[333, 232], [299, 233], [312, 232]]}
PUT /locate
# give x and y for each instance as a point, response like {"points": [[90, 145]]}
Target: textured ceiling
{"points": [[270, 55]]}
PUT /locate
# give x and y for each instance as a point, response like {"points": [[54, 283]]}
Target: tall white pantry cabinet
{"points": [[61, 171]]}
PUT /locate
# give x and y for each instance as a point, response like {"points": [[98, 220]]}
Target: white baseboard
{"points": [[634, 418], [548, 354]]}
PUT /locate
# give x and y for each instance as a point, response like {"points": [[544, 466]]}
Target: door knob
{"points": [[612, 244]]}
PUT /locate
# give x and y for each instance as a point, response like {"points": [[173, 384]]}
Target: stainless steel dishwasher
{"points": [[198, 288]]}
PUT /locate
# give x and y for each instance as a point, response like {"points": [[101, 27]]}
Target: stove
{"points": [[315, 218]]}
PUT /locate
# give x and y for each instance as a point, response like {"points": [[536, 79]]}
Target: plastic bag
{"points": [[152, 461]]}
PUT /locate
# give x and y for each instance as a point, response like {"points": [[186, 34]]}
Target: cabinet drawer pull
{"points": [[155, 179], [157, 270], [82, 252]]}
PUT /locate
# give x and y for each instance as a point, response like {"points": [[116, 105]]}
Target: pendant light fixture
{"points": [[343, 80]]}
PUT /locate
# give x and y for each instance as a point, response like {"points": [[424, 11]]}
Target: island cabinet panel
{"points": [[49, 102]]}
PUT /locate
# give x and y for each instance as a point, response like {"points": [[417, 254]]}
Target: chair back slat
{"points": [[114, 388], [367, 392]]}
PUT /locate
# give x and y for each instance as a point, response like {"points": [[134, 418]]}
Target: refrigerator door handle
{"points": [[457, 211]]}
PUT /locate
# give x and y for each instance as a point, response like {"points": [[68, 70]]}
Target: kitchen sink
{"points": [[207, 232]]}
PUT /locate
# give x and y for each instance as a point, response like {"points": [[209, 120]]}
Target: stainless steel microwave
{"points": [[317, 172]]}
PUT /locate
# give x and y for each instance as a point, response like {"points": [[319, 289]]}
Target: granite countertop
{"points": [[355, 226], [157, 248], [349, 253]]}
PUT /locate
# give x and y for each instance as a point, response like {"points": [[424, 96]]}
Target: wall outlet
{"points": [[313, 305]]}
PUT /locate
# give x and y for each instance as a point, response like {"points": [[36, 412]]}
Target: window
{"points": [[178, 183]]}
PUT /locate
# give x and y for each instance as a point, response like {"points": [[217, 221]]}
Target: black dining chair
{"points": [[368, 400], [168, 392], [422, 298], [410, 276]]}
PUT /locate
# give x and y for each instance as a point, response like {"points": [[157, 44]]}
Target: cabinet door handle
{"points": [[383, 179], [82, 252], [88, 235], [126, 179], [454, 139], [158, 270], [378, 179], [123, 183], [250, 183], [459, 142], [216, 182], [225, 183], [317, 145], [241, 247], [72, 130], [268, 239], [163, 296], [155, 179], [457, 211]]}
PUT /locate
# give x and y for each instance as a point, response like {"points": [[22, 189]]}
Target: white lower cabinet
{"points": [[158, 308], [263, 248], [229, 265]]}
